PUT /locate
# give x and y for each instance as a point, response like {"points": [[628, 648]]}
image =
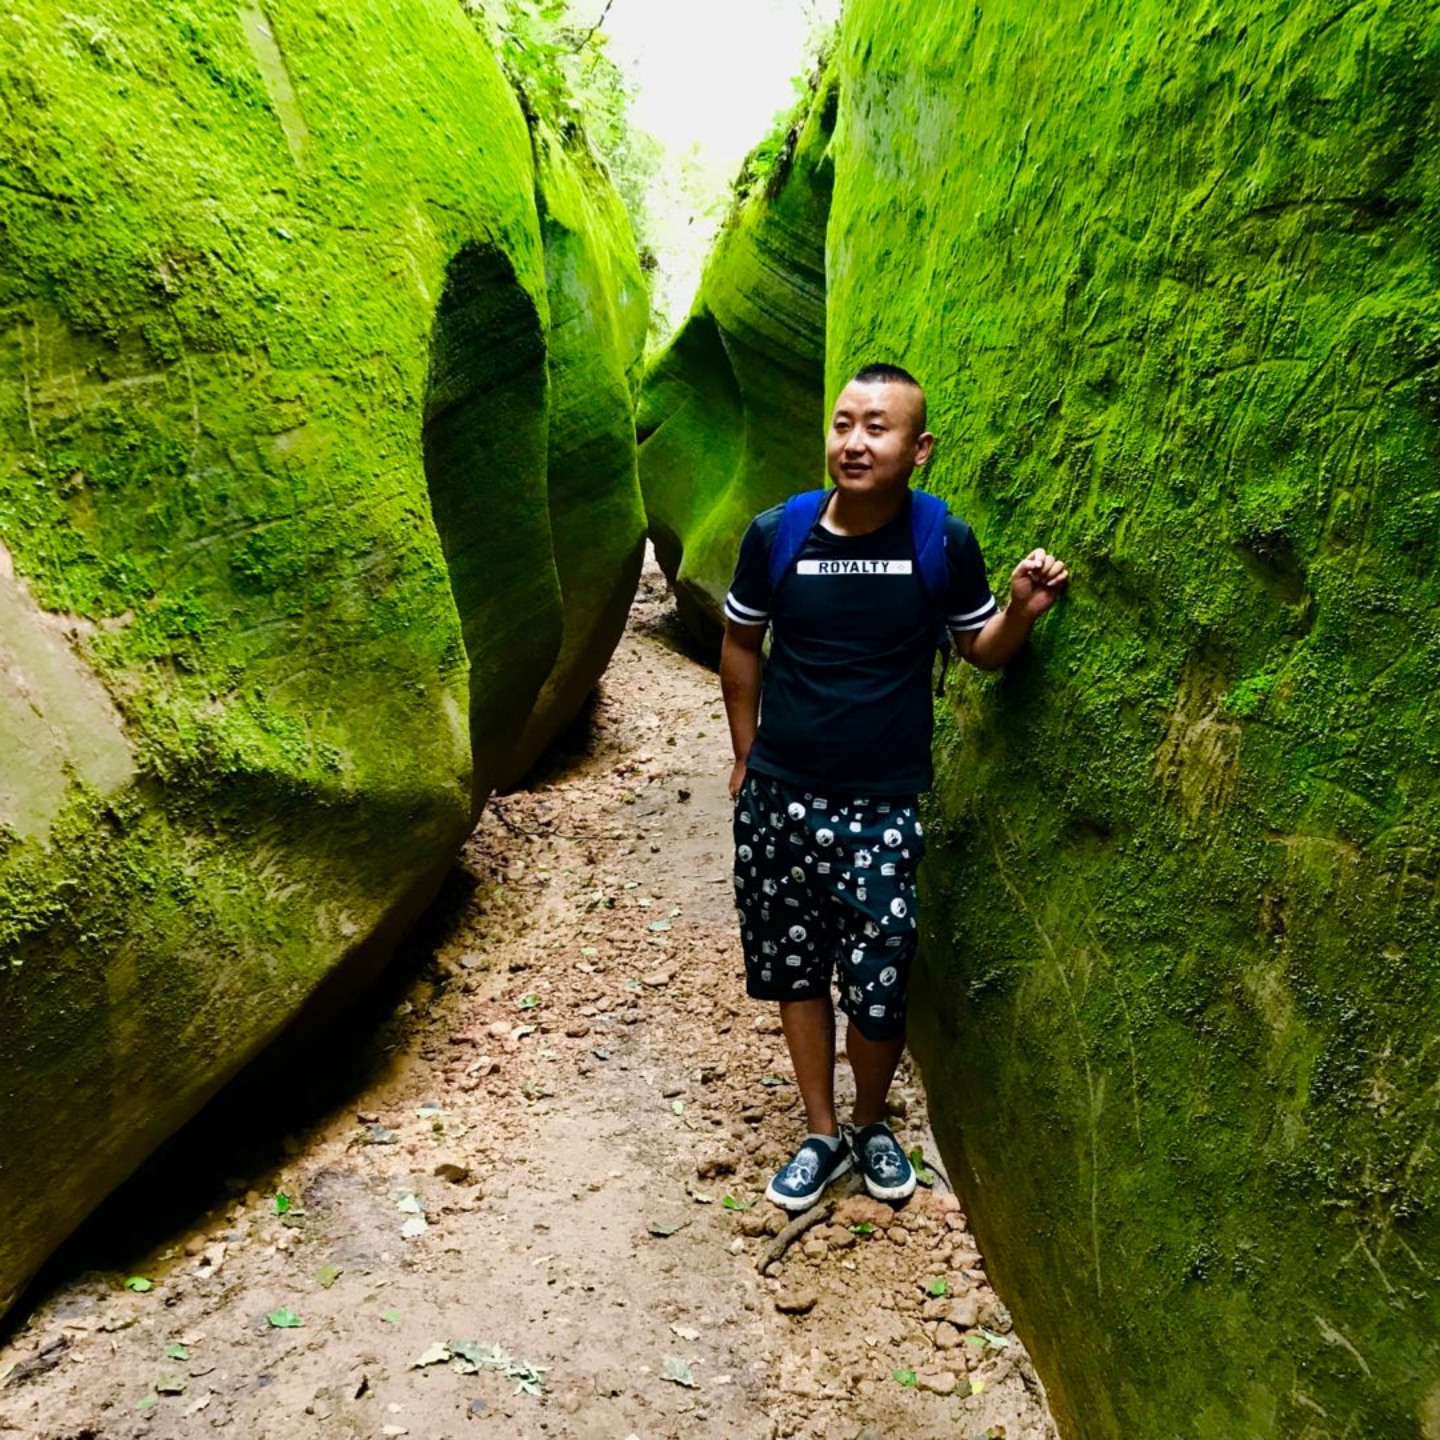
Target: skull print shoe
{"points": [[884, 1166], [799, 1184]]}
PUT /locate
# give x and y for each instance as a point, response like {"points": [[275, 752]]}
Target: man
{"points": [[832, 746]]}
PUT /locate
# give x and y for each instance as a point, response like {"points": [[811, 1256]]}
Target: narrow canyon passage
{"points": [[538, 1211]]}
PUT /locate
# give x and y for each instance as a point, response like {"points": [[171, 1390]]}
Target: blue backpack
{"points": [[927, 530]]}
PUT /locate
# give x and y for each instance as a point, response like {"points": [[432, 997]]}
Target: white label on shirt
{"points": [[854, 567]]}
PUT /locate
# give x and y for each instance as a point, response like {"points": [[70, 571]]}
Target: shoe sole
{"points": [[799, 1202], [889, 1192]]}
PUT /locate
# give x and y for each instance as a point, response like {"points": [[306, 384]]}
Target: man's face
{"points": [[877, 437]]}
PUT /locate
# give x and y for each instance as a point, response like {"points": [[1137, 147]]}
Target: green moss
{"points": [[227, 237], [1169, 277], [1170, 280], [599, 315], [732, 411]]}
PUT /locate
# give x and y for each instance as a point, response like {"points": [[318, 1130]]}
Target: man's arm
{"points": [[1034, 587], [740, 667]]}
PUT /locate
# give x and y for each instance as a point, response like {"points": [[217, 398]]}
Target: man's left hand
{"points": [[1037, 582]]}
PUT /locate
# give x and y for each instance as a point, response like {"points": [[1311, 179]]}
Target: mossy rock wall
{"points": [[599, 313], [1171, 276], [732, 412], [1172, 279], [277, 585]]}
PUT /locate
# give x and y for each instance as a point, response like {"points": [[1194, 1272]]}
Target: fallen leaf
{"points": [[686, 1332], [139, 1284], [905, 1377], [678, 1106], [391, 1316], [977, 1387], [327, 1275], [436, 1354], [167, 1382], [282, 1203], [176, 1352], [527, 1002], [410, 1205], [863, 1228], [938, 1288], [771, 1081], [729, 1202], [996, 1342], [284, 1319], [413, 1228], [674, 1369], [701, 1198], [521, 1031], [664, 1229], [464, 1356], [923, 1173], [658, 926]]}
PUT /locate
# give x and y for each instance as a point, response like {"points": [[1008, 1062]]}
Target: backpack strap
{"points": [[797, 520], [927, 529]]}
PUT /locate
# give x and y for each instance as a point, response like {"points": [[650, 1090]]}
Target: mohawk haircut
{"points": [[882, 374]]}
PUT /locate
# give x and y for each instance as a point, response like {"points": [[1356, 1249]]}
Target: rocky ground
{"points": [[522, 1193]]}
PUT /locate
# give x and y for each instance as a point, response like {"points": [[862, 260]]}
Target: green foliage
{"points": [[768, 163], [564, 75]]}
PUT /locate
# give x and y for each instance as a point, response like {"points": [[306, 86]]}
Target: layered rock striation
{"points": [[1170, 276], [278, 589]]}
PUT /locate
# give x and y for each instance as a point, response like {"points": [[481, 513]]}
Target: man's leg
{"points": [[874, 1063], [875, 957], [809, 1027]]}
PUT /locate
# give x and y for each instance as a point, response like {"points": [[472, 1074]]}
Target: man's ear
{"points": [[924, 446]]}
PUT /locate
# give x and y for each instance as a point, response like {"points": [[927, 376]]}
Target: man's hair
{"points": [[883, 374]]}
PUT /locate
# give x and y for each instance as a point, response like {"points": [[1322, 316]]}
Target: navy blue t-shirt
{"points": [[845, 700]]}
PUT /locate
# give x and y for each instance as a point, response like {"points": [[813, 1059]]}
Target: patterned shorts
{"points": [[822, 883]]}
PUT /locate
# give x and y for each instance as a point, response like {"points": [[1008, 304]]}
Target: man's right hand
{"points": [[737, 779]]}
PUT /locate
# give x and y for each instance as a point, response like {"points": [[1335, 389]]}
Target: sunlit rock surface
{"points": [[277, 585], [731, 417], [1170, 277]]}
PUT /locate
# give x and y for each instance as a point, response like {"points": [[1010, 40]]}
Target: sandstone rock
{"points": [[947, 1337], [963, 1312], [259, 648], [937, 1382]]}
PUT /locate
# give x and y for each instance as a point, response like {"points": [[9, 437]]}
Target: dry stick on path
{"points": [[792, 1232]]}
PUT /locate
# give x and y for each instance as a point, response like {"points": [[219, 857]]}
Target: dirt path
{"points": [[511, 1211]]}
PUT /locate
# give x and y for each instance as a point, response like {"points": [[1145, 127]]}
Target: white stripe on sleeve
{"points": [[743, 614], [973, 619]]}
